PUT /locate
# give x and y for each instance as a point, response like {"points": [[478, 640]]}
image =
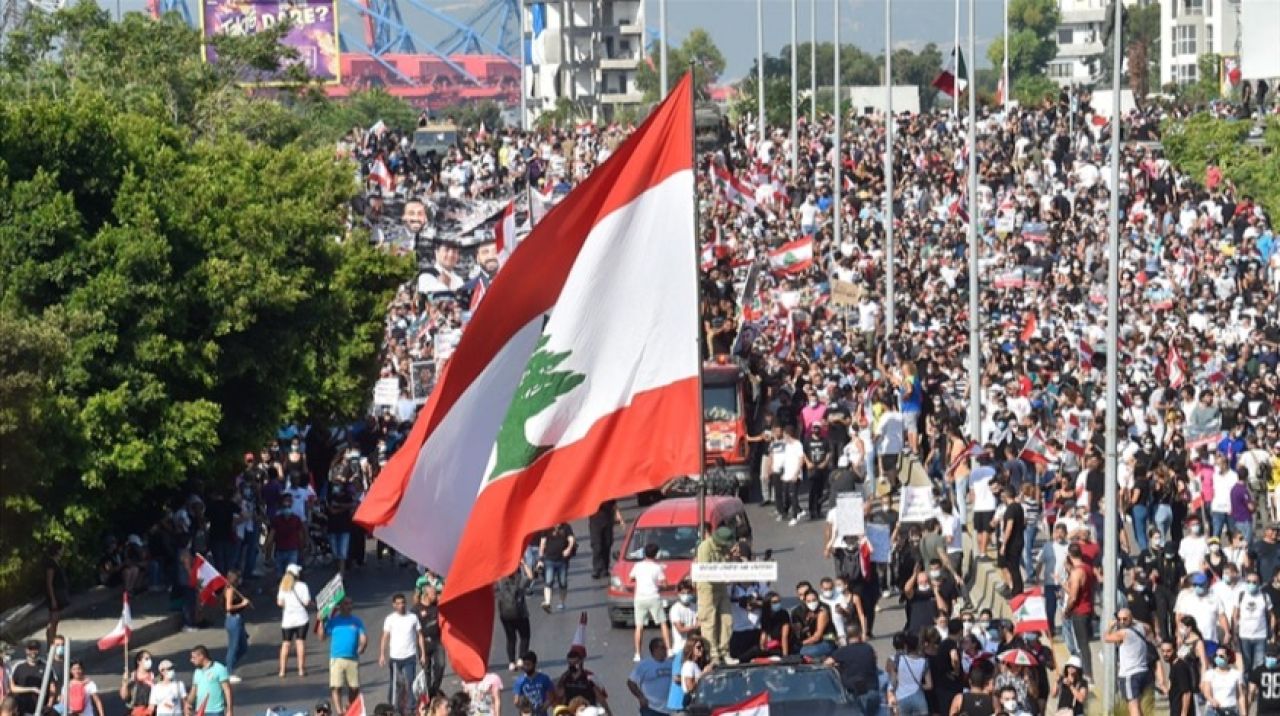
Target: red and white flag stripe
{"points": [[120, 634], [757, 705], [577, 382], [207, 580], [505, 233]]}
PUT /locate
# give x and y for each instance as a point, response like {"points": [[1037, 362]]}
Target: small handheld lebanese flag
{"points": [[1029, 612], [757, 705], [120, 634], [577, 382], [203, 703], [792, 257], [207, 580], [1035, 450], [580, 634], [357, 706], [380, 174], [505, 232]]}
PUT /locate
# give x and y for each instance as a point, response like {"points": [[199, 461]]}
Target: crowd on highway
{"points": [[841, 404]]}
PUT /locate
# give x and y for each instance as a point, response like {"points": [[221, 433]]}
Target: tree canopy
{"points": [[176, 279], [697, 48], [1032, 45]]}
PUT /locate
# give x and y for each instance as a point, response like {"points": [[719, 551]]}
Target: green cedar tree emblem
{"points": [[790, 258], [540, 386]]}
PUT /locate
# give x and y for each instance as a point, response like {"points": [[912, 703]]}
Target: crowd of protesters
{"points": [[845, 404]]}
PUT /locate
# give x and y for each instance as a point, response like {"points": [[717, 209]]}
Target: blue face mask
{"points": [[1202, 590], [1271, 662], [776, 606], [1220, 661]]}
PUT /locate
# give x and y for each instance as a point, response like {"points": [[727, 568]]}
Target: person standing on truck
{"points": [[715, 612]]}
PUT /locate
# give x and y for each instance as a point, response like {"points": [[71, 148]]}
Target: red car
{"points": [[673, 526]]}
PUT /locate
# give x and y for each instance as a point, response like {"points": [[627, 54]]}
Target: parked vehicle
{"points": [[795, 688], [673, 526]]}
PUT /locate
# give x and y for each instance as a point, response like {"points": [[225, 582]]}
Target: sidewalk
{"points": [[91, 616]]}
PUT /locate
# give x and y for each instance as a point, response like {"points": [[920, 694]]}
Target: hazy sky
{"points": [[732, 23]]}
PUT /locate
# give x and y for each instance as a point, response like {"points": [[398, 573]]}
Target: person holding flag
{"points": [[347, 641]]}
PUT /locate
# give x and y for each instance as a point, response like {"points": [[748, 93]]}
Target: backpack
{"points": [[75, 697]]}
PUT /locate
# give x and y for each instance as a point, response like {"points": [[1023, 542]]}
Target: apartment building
{"points": [[1191, 28], [586, 51], [1080, 34]]}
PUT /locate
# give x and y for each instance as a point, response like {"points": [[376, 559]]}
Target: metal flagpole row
{"points": [[890, 318], [795, 91], [837, 182], [1110, 583], [760, 123], [813, 60], [975, 325], [955, 51], [662, 46], [1004, 67]]}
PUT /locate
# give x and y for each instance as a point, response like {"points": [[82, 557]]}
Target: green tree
{"points": [[1192, 145], [1141, 45], [175, 282], [698, 48], [1032, 24]]}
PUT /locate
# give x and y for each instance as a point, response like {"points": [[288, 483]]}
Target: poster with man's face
{"points": [[423, 379]]}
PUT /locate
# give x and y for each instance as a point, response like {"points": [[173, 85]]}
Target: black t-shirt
{"points": [[557, 543], [1181, 681], [222, 514], [578, 683], [816, 448], [429, 621], [1013, 514], [1142, 604], [28, 675], [1268, 683], [342, 506], [922, 610], [857, 666], [1266, 556], [945, 681]]}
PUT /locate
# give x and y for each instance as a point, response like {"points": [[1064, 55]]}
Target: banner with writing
{"points": [[313, 34]]}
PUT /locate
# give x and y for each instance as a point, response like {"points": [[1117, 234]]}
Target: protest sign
{"points": [[329, 597], [423, 379], [313, 34], [386, 392], [917, 504], [446, 342], [845, 293], [734, 572], [879, 536], [849, 516]]}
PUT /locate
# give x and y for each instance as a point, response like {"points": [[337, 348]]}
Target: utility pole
{"points": [[975, 320], [837, 187], [1110, 525], [662, 46], [760, 128], [890, 319], [813, 60], [795, 93]]}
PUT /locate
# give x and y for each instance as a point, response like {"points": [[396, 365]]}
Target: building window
{"points": [[1194, 7], [1208, 39], [1185, 74], [1064, 36], [1060, 70], [1184, 40]]}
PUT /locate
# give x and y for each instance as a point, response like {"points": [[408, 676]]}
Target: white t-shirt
{"points": [[1222, 484], [685, 616], [984, 500], [792, 460], [953, 529], [1203, 609], [690, 670], [889, 431], [167, 697], [1227, 595], [648, 576], [294, 603], [1224, 684], [1254, 609], [403, 632], [1192, 551]]}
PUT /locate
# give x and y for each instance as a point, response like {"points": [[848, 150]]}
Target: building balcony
{"points": [[621, 97], [619, 63]]}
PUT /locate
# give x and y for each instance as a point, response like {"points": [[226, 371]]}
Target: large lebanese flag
{"points": [[207, 580], [1029, 612], [505, 232], [120, 634], [576, 382], [792, 257]]}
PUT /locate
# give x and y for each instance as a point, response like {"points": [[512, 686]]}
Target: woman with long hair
{"points": [[293, 597], [235, 604], [135, 685], [82, 694]]}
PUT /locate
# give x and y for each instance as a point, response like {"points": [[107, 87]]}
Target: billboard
{"points": [[313, 32]]}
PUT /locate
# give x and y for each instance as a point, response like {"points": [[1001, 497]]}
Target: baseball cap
{"points": [[165, 665], [294, 569], [1199, 579]]}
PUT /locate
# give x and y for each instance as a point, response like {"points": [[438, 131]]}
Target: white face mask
{"points": [[813, 606], [145, 663], [1010, 706]]}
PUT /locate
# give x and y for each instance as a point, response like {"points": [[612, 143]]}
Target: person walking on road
{"points": [[347, 641], [1081, 585], [235, 604], [856, 662], [1134, 675], [557, 547], [402, 647], [293, 597], [601, 526], [433, 656], [210, 686], [513, 612]]}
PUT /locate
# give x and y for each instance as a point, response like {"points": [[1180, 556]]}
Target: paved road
{"points": [[797, 550]]}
